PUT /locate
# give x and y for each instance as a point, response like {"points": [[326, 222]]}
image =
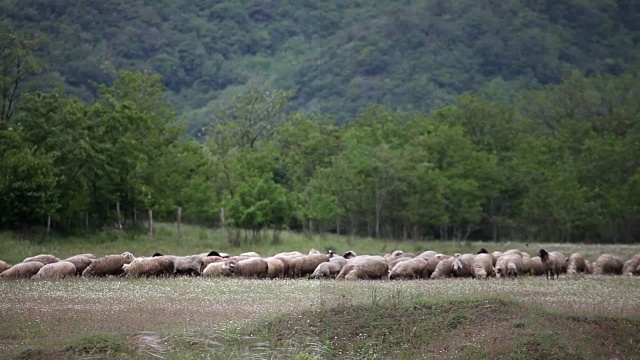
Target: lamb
{"points": [[150, 266], [251, 268], [537, 268], [275, 268], [329, 269], [43, 258], [110, 265], [364, 268], [4, 266], [632, 266], [508, 265], [81, 262], [22, 270], [306, 265], [482, 266], [414, 268], [56, 270], [554, 263], [444, 269], [463, 265], [608, 264], [577, 264]]}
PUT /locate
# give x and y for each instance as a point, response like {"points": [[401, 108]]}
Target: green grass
{"points": [[195, 239]]}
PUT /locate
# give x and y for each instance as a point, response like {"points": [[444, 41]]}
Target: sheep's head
{"points": [[213, 253], [330, 253], [349, 254], [482, 251], [127, 256], [544, 255], [156, 254]]}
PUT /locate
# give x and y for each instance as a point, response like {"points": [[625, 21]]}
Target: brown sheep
{"points": [[249, 268], [577, 264], [150, 266], [414, 268], [81, 262], [537, 268], [4, 266], [275, 268], [463, 265], [55, 271], [306, 265], [554, 263], [110, 265], [444, 269], [508, 265], [632, 266], [329, 269], [482, 266], [608, 264], [22, 270], [43, 258], [364, 268]]}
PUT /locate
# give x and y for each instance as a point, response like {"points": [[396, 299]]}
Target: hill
{"points": [[337, 56]]}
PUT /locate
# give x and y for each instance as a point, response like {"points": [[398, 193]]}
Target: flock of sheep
{"points": [[316, 265]]}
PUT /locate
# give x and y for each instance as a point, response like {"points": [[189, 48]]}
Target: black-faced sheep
{"points": [[81, 262], [349, 254], [364, 268], [4, 266], [413, 268], [463, 265], [110, 265], [249, 268], [537, 268], [305, 265], [57, 270], [42, 258], [608, 264], [577, 264], [508, 265], [329, 269], [554, 263], [150, 266], [482, 265], [275, 268], [22, 270], [632, 266]]}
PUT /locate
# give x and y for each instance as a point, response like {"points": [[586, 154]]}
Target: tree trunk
{"points": [[119, 223], [48, 224], [222, 219], [151, 223], [179, 221]]}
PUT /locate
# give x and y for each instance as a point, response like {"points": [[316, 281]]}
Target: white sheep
{"points": [[632, 266], [249, 268], [508, 265], [150, 266], [81, 262], [43, 258], [110, 265], [275, 268], [413, 268], [577, 264], [57, 270], [463, 265], [364, 268], [482, 266], [608, 264], [23, 270], [329, 269], [4, 266]]}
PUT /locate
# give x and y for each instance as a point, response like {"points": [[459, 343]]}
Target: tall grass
{"points": [[197, 239]]}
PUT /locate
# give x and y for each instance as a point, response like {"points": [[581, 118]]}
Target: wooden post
{"points": [[179, 221], [151, 223]]}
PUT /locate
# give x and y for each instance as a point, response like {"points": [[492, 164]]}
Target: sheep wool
{"points": [[508, 265], [275, 268], [414, 268], [305, 265], [22, 270], [213, 269], [608, 264], [482, 266], [110, 265], [150, 266], [43, 258], [444, 269], [54, 271], [554, 263], [577, 264], [632, 266], [249, 268], [81, 262], [537, 268], [4, 266], [463, 265], [364, 268]]}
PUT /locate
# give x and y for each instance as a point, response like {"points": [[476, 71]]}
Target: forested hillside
{"points": [[547, 147], [337, 57]]}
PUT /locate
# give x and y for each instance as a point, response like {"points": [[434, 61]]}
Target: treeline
{"points": [[558, 163], [338, 56]]}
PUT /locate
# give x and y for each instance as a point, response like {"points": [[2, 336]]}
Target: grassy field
{"points": [[576, 317]]}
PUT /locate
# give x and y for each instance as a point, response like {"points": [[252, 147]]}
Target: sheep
{"points": [[526, 263], [432, 264], [251, 254], [537, 268], [190, 265], [608, 264], [110, 265], [482, 265], [414, 268], [305, 265], [494, 256], [363, 268], [482, 251], [427, 254], [22, 270], [577, 264], [554, 263], [463, 265], [56, 270], [251, 268], [632, 266], [81, 262], [206, 260], [444, 269], [398, 259], [289, 263], [508, 265], [213, 269], [329, 269], [275, 268], [349, 254], [4, 266], [314, 252], [43, 258], [150, 266]]}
